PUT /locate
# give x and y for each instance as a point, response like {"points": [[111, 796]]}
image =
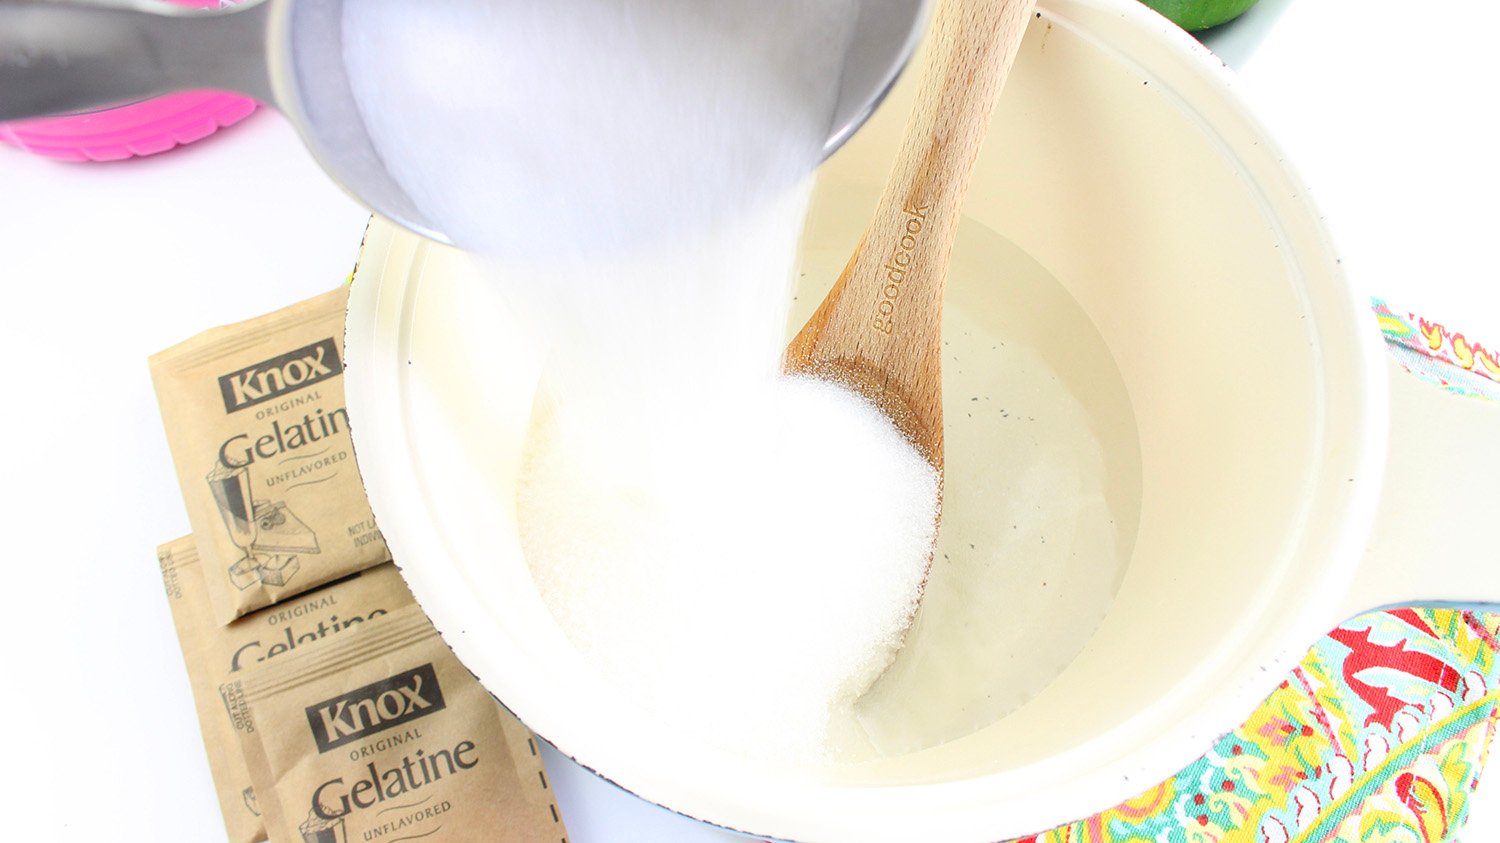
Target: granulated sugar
{"points": [[543, 126], [748, 571], [737, 550]]}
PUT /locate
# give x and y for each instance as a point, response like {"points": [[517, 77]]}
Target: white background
{"points": [[1388, 111]]}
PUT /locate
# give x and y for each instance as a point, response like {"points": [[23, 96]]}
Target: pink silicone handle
{"points": [[142, 128]]}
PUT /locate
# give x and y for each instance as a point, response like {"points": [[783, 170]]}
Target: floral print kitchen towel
{"points": [[1378, 736]]}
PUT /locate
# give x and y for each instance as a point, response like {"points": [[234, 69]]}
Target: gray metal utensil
{"points": [[61, 57]]}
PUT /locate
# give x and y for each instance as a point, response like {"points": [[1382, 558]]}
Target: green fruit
{"points": [[1194, 15]]}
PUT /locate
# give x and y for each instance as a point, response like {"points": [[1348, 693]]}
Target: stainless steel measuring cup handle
{"points": [[58, 57]]}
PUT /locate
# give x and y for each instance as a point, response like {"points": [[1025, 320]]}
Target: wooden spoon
{"points": [[879, 331]]}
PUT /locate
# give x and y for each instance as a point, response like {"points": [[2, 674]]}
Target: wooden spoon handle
{"points": [[878, 330]]}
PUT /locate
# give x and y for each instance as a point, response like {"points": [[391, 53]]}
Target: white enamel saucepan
{"points": [[1266, 471]]}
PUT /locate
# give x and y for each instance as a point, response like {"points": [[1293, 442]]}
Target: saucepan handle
{"points": [[58, 57], [1436, 539]]}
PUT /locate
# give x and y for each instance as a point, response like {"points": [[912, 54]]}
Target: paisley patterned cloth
{"points": [[1441, 355], [1378, 736]]}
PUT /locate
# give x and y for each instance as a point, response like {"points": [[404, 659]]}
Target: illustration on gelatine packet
{"points": [[271, 536], [248, 794], [319, 830]]}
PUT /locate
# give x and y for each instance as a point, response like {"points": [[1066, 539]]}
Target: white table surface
{"points": [[1388, 112]]}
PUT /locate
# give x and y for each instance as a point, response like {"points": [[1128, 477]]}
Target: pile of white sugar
{"points": [[739, 551]]}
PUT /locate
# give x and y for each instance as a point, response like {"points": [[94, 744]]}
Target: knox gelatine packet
{"points": [[216, 655], [386, 736], [259, 434]]}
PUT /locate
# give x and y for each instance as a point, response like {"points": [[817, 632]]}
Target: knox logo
{"points": [[288, 372], [376, 707]]}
